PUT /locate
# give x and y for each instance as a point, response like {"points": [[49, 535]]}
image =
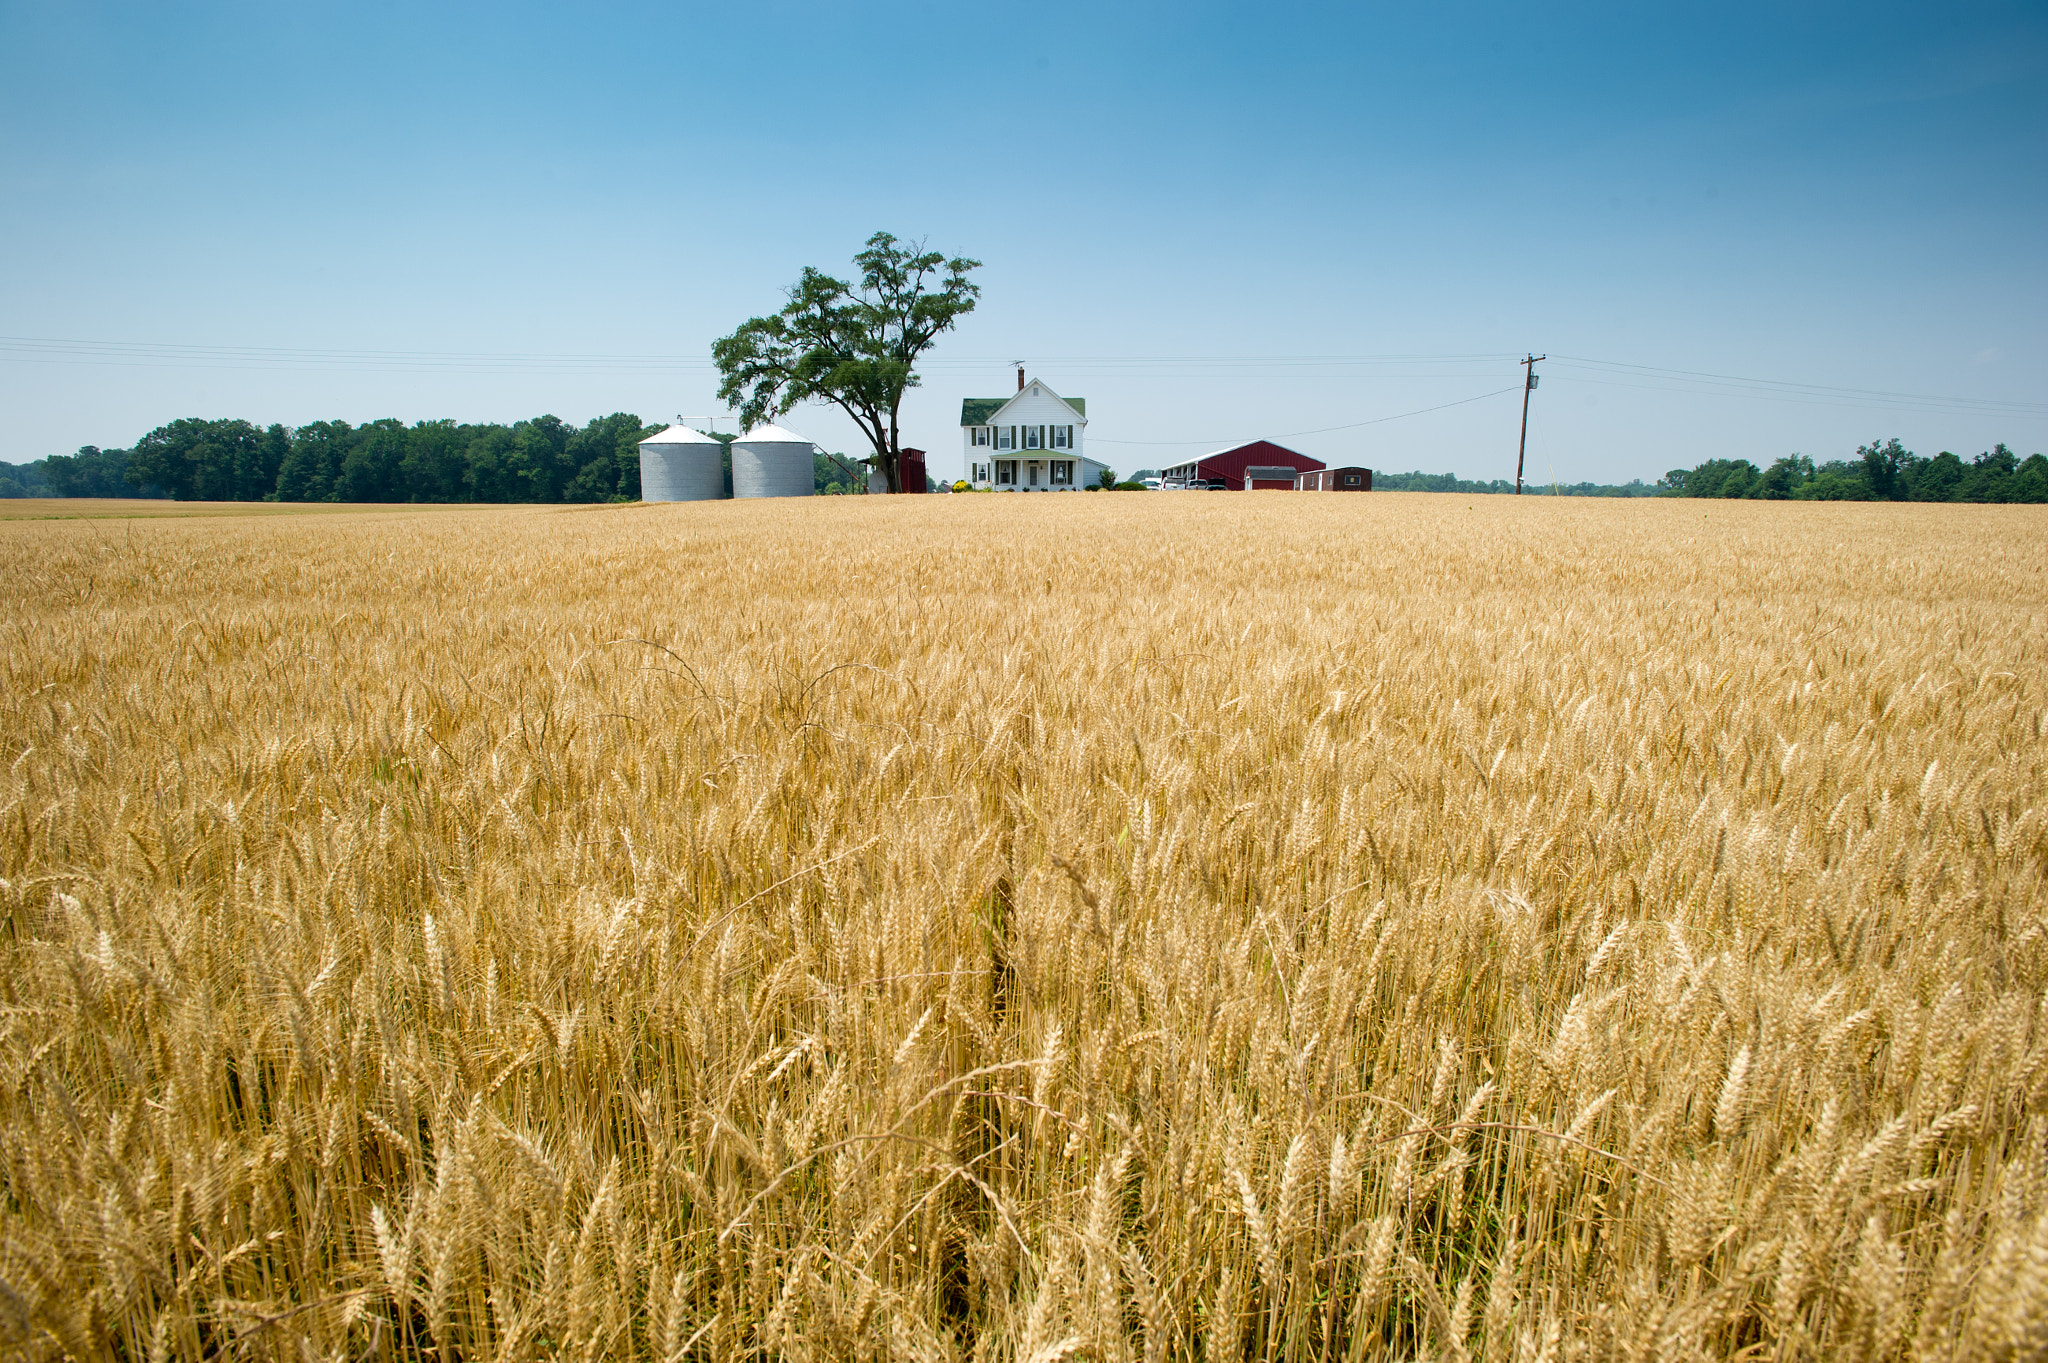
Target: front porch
{"points": [[1041, 473]]}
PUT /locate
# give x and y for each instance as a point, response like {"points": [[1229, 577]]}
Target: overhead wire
{"points": [[1320, 430], [1355, 368], [119, 351], [1874, 403], [1785, 384]]}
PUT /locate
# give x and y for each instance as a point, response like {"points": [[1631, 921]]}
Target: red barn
{"points": [[1261, 464]]}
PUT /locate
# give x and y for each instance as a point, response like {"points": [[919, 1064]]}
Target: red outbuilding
{"points": [[1349, 478], [1265, 464], [910, 463]]}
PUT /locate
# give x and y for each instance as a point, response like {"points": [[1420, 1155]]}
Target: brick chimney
{"points": [[1020, 378]]}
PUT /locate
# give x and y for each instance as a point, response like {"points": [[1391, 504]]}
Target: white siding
{"points": [[1035, 424]]}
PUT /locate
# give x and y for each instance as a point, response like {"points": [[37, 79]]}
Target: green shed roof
{"points": [[977, 411]]}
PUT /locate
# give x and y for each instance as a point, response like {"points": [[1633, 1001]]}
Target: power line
{"points": [[94, 348], [1791, 388], [1986, 406], [165, 354], [1321, 430]]}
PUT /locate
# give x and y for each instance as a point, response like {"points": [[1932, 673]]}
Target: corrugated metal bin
{"points": [[681, 465], [769, 461]]}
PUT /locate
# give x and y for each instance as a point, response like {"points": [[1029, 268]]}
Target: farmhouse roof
{"points": [[977, 411]]}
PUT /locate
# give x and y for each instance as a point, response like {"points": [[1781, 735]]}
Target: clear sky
{"points": [[1214, 222]]}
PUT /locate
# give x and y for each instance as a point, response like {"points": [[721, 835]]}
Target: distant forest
{"points": [[1451, 482], [550, 460], [1885, 472], [542, 460], [1880, 472]]}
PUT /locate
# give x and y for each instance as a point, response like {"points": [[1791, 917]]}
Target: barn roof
{"points": [[1251, 448]]}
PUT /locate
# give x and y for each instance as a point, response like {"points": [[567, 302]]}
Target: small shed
{"points": [[909, 468], [1270, 477], [1348, 478]]}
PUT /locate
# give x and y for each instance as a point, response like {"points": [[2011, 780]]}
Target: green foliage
{"points": [[22, 480], [1835, 481], [1451, 482], [1106, 479], [210, 461], [854, 347], [834, 475], [92, 472], [1715, 478], [542, 460], [1881, 472]]}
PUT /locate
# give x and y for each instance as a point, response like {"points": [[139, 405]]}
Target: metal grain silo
{"points": [[681, 465], [769, 461]]}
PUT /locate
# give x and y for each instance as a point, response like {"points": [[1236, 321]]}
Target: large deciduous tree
{"points": [[855, 347]]}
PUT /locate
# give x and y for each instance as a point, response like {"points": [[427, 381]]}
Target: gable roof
{"points": [[977, 411], [1231, 462], [1276, 455]]}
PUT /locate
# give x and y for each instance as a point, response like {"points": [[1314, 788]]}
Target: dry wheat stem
{"points": [[1430, 927]]}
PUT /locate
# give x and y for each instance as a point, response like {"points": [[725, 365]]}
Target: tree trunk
{"points": [[892, 458]]}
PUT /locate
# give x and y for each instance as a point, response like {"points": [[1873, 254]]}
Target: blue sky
{"points": [[1213, 221]]}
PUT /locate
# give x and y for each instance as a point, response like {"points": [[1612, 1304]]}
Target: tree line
{"points": [[550, 460], [542, 460], [1886, 472], [1451, 482]]}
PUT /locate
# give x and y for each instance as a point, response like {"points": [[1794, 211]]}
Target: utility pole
{"points": [[1528, 387]]}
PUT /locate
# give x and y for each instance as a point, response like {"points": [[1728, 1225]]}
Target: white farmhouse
{"points": [[1028, 442]]}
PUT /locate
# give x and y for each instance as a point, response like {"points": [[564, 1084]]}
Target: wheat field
{"points": [[998, 928]]}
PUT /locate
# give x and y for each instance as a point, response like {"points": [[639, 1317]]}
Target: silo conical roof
{"points": [[768, 433], [679, 435]]}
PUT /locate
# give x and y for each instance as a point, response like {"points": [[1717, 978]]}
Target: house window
{"points": [[981, 435], [1063, 437], [1006, 471], [1063, 473], [1034, 437], [1006, 437]]}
